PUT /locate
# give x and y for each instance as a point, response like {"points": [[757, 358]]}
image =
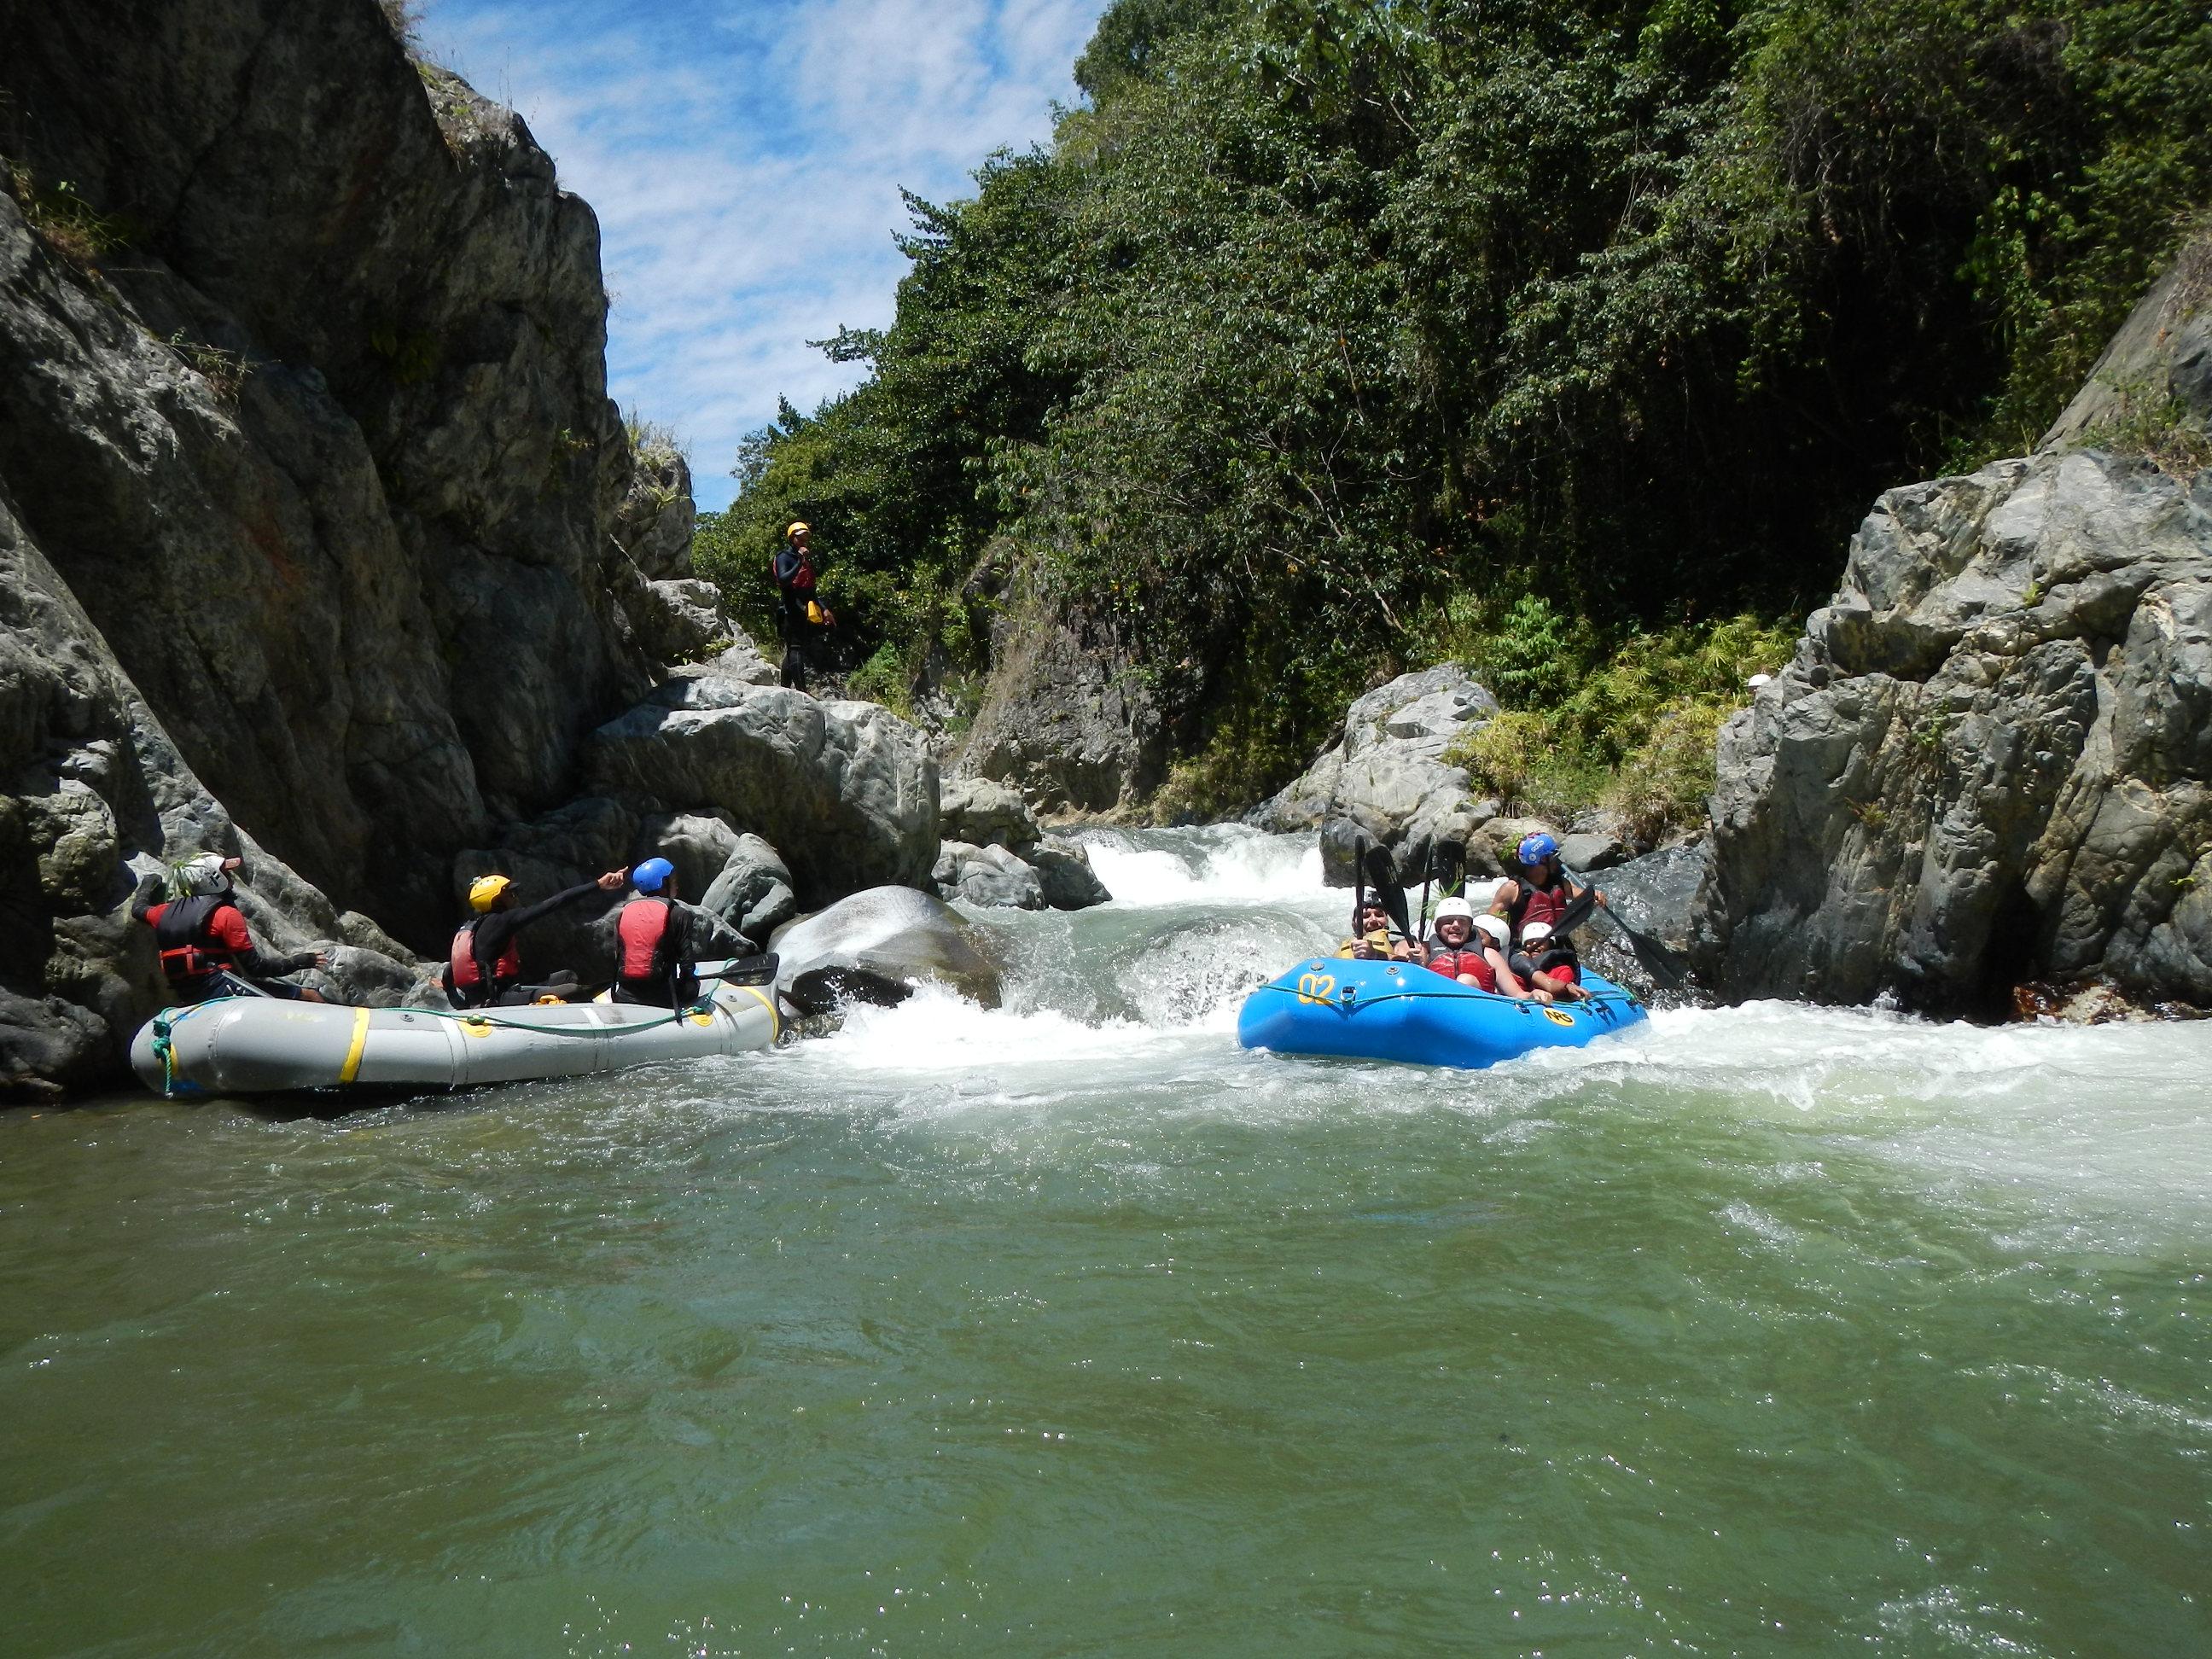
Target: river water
{"points": [[1070, 1329]]}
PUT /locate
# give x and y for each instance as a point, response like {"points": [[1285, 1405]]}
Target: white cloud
{"points": [[746, 159]]}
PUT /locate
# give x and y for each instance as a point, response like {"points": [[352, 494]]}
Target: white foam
{"points": [[1222, 864]]}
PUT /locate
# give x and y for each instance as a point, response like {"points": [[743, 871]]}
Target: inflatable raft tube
{"points": [[258, 1045], [1399, 1011]]}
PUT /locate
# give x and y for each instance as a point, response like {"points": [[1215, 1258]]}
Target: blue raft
{"points": [[1399, 1010]]}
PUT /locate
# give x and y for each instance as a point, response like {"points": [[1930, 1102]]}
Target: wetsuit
{"points": [[207, 949], [794, 581], [484, 967]]}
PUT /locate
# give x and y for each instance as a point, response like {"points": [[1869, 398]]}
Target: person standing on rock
{"points": [[206, 948], [484, 968], [801, 615]]}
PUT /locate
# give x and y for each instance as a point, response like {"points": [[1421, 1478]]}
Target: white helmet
{"points": [[1535, 933], [1496, 929], [198, 877], [1447, 908]]}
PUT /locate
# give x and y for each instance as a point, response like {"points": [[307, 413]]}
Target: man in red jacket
{"points": [[206, 948]]}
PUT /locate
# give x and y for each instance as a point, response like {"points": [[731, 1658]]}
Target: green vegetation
{"points": [[1631, 730], [225, 372], [71, 226], [1337, 337]]}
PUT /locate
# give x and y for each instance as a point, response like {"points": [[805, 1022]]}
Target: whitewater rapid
{"points": [[1137, 1002]]}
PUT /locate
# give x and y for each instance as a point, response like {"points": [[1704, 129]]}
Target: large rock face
{"points": [[1068, 719], [1991, 759], [845, 792], [99, 800], [1385, 775], [322, 542], [325, 450]]}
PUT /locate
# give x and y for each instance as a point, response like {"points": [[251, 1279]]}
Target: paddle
{"points": [[1428, 863], [1382, 876], [1447, 864], [1666, 964], [745, 970]]}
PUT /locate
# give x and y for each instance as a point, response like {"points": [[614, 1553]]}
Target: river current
{"points": [[1070, 1329]]}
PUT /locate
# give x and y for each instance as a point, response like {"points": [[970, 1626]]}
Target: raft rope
{"points": [[1599, 1000], [166, 1021]]}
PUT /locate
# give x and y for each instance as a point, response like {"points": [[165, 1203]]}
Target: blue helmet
{"points": [[652, 875], [1535, 849]]}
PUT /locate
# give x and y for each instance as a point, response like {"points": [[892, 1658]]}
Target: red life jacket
{"points": [[793, 570], [1452, 963], [184, 934], [642, 929], [461, 960]]}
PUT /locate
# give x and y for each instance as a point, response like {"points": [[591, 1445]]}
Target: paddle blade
{"points": [[1576, 912], [1382, 876], [746, 970], [1448, 866]]}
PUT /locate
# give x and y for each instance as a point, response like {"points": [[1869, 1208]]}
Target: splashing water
{"points": [[1070, 1325]]}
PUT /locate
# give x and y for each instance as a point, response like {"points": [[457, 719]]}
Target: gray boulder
{"points": [[845, 791], [1991, 762], [1064, 872], [753, 892], [984, 813], [986, 875], [699, 844], [1593, 849], [877, 947], [1384, 776]]}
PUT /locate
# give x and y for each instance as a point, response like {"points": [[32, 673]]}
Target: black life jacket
{"points": [[189, 949], [1550, 904]]}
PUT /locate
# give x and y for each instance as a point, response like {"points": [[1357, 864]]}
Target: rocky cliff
{"points": [[320, 539], [1986, 779]]}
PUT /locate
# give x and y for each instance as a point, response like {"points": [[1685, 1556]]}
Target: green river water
{"points": [[1070, 1329]]}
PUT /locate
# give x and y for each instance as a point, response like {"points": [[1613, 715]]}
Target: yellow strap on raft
{"points": [[351, 1069]]}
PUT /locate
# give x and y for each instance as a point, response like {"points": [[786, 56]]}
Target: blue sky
{"points": [[746, 159]]}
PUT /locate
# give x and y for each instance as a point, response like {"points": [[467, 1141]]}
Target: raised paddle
{"points": [[1382, 876], [1447, 864]]}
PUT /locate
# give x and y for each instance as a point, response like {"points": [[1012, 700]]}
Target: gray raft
{"points": [[258, 1045]]}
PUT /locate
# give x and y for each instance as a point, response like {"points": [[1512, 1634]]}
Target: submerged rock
{"points": [[876, 946]]}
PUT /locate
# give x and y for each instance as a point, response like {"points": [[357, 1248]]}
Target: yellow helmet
{"points": [[484, 892], [796, 525]]}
